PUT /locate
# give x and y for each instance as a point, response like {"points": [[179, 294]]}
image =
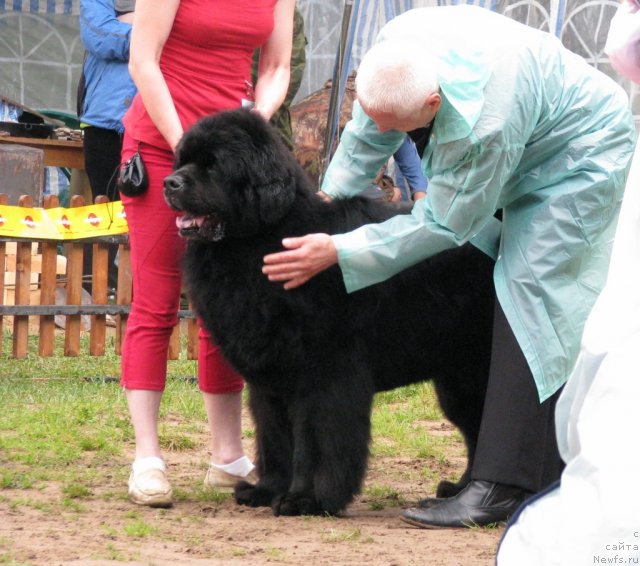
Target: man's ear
{"points": [[433, 102]]}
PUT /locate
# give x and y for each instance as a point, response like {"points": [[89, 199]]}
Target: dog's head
{"points": [[233, 177]]}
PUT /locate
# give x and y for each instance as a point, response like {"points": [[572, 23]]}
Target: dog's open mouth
{"points": [[202, 227]]}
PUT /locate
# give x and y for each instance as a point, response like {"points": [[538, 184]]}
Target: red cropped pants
{"points": [[156, 256]]}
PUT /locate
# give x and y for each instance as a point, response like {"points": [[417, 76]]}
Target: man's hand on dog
{"points": [[324, 196], [306, 256]]}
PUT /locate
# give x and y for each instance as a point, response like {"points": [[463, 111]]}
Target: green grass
{"points": [[84, 366], [139, 529], [47, 426], [345, 535], [381, 496], [65, 420], [397, 422], [58, 411]]}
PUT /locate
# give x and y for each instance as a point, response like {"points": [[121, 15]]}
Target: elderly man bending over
{"points": [[510, 126]]}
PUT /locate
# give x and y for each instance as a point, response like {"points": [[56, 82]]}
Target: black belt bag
{"points": [[133, 180]]}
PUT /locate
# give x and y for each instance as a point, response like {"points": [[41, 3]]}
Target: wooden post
{"points": [[99, 292], [124, 292], [192, 340], [46, 342], [174, 343], [74, 290], [3, 261], [23, 290]]}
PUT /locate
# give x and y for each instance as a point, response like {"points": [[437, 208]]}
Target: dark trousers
{"points": [[102, 150], [517, 442]]}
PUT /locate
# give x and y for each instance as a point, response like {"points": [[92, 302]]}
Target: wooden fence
{"points": [[34, 269]]}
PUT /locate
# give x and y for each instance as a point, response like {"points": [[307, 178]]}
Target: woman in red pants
{"points": [[189, 58]]}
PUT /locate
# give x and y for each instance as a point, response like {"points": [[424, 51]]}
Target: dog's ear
{"points": [[276, 197]]}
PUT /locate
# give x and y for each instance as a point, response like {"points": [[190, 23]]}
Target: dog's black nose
{"points": [[172, 183]]}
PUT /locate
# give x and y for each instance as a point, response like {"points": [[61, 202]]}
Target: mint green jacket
{"points": [[527, 127]]}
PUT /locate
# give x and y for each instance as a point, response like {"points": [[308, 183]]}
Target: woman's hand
{"points": [[307, 256]]}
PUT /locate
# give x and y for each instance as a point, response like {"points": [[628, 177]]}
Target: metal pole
{"points": [[333, 113]]}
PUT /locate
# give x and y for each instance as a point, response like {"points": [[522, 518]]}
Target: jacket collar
{"points": [[462, 82]]}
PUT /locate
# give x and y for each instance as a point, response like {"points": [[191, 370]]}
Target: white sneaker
{"points": [[150, 487], [225, 482]]}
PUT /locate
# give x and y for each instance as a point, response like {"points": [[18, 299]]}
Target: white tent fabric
{"points": [[40, 58], [581, 24], [41, 53], [69, 7]]}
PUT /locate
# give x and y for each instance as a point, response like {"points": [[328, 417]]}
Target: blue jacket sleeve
{"points": [[408, 162], [102, 34]]}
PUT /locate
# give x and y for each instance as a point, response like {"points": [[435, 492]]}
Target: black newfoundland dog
{"points": [[315, 356]]}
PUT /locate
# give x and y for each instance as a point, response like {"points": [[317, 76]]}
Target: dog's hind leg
{"points": [[331, 436], [461, 395], [273, 450]]}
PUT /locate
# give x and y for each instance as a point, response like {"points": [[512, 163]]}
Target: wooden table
{"points": [[57, 153]]}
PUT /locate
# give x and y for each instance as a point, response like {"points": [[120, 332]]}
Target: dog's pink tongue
{"points": [[185, 221]]}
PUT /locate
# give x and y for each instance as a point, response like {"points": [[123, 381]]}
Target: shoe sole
{"points": [[471, 524], [429, 526], [162, 500], [227, 483]]}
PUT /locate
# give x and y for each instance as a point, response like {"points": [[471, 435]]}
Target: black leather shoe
{"points": [[480, 503], [446, 490], [429, 502]]}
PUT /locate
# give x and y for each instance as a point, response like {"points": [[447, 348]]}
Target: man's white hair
{"points": [[396, 76]]}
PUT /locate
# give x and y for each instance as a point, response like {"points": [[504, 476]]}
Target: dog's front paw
{"points": [[291, 504], [253, 495]]}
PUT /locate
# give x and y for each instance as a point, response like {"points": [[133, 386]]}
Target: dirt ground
{"points": [[104, 528]]}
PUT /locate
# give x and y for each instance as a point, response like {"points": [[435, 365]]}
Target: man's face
{"points": [[389, 121]]}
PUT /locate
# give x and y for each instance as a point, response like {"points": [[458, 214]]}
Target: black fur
{"points": [[315, 356]]}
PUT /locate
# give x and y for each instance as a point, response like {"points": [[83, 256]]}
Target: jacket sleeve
{"points": [[460, 207], [102, 34], [362, 151]]}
